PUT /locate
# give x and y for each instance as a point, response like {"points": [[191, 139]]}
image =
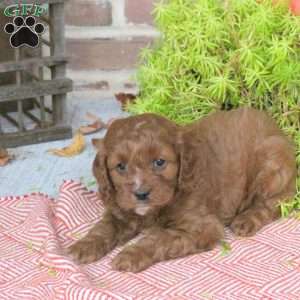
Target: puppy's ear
{"points": [[180, 147], [97, 143], [101, 173], [186, 158]]}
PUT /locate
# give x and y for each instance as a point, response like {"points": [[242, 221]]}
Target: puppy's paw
{"points": [[87, 251], [131, 259], [244, 225]]}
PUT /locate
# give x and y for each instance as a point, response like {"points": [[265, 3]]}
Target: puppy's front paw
{"points": [[131, 259], [87, 251], [243, 226]]}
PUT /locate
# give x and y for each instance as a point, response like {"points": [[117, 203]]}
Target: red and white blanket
{"points": [[34, 229]]}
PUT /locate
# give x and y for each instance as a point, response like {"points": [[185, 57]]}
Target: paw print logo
{"points": [[24, 31]]}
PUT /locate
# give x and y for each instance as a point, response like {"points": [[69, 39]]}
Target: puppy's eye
{"points": [[159, 163], [121, 167]]}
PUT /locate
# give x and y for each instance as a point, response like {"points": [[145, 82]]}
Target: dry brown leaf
{"points": [[97, 125], [76, 147], [3, 152], [92, 117], [4, 161], [5, 157], [125, 98]]}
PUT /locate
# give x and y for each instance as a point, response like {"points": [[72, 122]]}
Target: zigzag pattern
{"points": [[35, 229]]}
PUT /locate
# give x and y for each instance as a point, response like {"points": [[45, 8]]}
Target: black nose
{"points": [[142, 195]]}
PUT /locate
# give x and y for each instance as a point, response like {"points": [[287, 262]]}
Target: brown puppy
{"points": [[183, 184]]}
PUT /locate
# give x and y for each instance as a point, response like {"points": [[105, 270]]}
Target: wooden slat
{"points": [[57, 40], [35, 89], [42, 102], [47, 109], [35, 136], [18, 83], [5, 3], [49, 61], [46, 42]]}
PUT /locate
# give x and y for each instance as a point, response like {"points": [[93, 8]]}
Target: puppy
{"points": [[183, 184]]}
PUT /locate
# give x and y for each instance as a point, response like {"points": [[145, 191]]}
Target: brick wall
{"points": [[103, 41]]}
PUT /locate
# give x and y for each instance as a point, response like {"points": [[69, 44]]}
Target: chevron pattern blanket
{"points": [[34, 230]]}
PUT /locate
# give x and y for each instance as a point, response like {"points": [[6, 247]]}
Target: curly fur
{"points": [[228, 169]]}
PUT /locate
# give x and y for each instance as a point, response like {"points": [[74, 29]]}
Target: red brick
{"points": [[104, 54], [88, 13], [139, 11]]}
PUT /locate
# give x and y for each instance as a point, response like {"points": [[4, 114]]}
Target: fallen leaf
{"points": [[5, 157], [91, 183], [20, 204], [125, 98], [4, 161], [30, 246], [225, 248], [97, 125], [206, 296], [92, 117], [296, 215], [289, 263], [76, 147], [101, 285], [76, 236], [92, 128], [52, 272], [3, 152]]}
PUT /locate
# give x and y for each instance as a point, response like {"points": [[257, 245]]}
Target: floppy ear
{"points": [[180, 147], [187, 159], [101, 173], [97, 143]]}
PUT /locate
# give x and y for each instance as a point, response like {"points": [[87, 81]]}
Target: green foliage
{"points": [[220, 53]]}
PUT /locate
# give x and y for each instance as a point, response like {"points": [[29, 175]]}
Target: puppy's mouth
{"points": [[142, 209]]}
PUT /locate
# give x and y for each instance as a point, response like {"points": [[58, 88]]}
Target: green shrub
{"points": [[218, 54]]}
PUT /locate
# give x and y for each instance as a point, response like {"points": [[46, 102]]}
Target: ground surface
{"points": [[35, 170]]}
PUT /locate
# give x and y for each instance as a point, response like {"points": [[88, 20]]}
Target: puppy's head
{"points": [[137, 164]]}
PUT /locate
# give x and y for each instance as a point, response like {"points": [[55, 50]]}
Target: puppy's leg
{"points": [[274, 183], [253, 219], [193, 235], [101, 239]]}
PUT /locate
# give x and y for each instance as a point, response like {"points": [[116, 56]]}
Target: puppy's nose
{"points": [[142, 194]]}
